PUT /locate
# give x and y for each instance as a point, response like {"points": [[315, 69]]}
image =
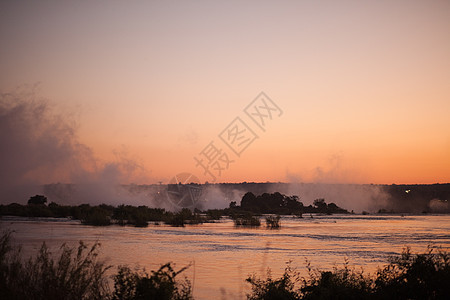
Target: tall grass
{"points": [[408, 276], [77, 274]]}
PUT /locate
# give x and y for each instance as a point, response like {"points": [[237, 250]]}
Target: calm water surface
{"points": [[222, 256]]}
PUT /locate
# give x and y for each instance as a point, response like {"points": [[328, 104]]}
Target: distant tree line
{"points": [[401, 198], [280, 204], [140, 216], [103, 214]]}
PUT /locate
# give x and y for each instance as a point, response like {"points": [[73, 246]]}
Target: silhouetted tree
{"points": [[293, 204], [320, 204], [37, 200], [249, 201]]}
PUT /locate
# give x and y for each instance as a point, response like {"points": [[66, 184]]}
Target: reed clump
{"points": [[76, 273], [246, 220], [273, 222]]}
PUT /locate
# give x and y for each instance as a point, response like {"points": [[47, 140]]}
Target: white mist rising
{"points": [[39, 145], [215, 197], [349, 196]]}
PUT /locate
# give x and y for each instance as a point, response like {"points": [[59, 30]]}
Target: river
{"points": [[222, 256]]}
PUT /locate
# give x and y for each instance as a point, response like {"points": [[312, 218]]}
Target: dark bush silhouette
{"points": [[138, 216], [280, 204], [214, 214], [273, 222], [320, 204], [37, 200], [275, 203], [59, 211], [420, 276], [160, 284], [96, 216], [281, 288], [183, 217], [409, 276], [249, 202], [344, 283], [75, 274], [246, 220]]}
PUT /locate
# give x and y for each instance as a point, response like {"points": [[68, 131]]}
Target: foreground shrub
{"points": [[281, 288], [75, 274], [344, 283], [420, 276], [160, 284], [10, 267], [409, 276]]}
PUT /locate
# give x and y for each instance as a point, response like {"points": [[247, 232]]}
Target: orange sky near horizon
{"points": [[364, 86]]}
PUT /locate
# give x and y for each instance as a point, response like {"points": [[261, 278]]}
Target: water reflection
{"points": [[222, 255]]}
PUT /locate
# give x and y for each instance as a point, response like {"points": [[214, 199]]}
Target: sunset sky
{"points": [[362, 87]]}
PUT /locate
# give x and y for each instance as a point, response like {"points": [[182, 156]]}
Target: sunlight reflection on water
{"points": [[222, 255]]}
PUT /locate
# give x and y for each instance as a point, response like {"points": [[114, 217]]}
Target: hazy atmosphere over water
{"points": [[101, 94]]}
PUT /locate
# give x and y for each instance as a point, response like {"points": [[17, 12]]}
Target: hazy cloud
{"points": [[39, 145]]}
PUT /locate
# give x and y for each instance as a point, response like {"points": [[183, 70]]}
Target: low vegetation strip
{"points": [[244, 215]]}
